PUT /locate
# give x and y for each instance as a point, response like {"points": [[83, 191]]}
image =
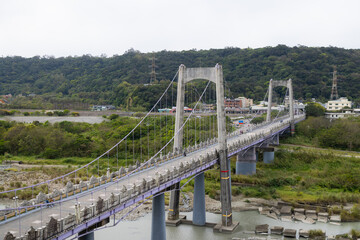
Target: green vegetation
{"points": [[70, 139], [119, 80], [355, 234], [314, 110], [302, 176], [316, 233], [320, 132], [352, 215], [7, 112]]}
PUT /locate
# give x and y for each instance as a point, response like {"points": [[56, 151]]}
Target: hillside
{"points": [[113, 80]]}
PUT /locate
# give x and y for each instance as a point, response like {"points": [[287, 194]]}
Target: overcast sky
{"points": [[77, 27]]}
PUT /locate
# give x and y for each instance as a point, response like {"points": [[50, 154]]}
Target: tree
{"points": [[257, 120], [314, 110]]}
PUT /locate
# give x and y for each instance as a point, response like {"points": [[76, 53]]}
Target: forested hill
{"points": [[246, 71]]}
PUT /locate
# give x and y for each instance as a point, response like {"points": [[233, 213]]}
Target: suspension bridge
{"points": [[196, 145]]}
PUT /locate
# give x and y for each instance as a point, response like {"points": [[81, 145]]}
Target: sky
{"points": [[108, 27]]}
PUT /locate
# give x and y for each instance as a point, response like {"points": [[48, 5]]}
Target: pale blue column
{"points": [[199, 217], [246, 168], [268, 157], [88, 236], [158, 230], [246, 162]]}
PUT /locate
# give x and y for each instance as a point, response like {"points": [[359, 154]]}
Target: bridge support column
{"points": [[268, 157], [227, 224], [276, 141], [268, 114], [158, 230], [173, 213], [292, 128], [199, 216], [291, 107], [178, 140], [89, 236], [246, 162]]}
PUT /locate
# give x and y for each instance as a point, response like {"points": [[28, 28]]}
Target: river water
{"points": [[141, 228]]}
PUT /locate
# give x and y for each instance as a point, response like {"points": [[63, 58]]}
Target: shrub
{"points": [[314, 233], [351, 216], [26, 113], [4, 112], [113, 116], [11, 169], [75, 114], [257, 120], [50, 153], [355, 234], [139, 114]]}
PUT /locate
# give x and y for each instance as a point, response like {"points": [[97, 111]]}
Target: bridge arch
{"points": [[281, 83], [186, 75], [215, 75]]}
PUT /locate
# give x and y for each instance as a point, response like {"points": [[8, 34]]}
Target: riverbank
{"points": [[141, 228], [43, 119]]}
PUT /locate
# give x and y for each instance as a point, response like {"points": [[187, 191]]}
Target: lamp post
{"points": [[16, 203]]}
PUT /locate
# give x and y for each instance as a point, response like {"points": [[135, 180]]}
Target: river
{"points": [[141, 228]]}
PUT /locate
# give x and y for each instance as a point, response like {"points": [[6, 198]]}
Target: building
{"points": [[186, 109], [240, 102], [338, 104], [287, 102], [102, 107], [205, 107], [344, 113]]}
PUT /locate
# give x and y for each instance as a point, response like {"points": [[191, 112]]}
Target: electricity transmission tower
{"points": [[153, 67], [334, 91]]}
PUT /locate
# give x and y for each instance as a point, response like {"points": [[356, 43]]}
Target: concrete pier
{"points": [[158, 230], [246, 162], [268, 154], [173, 213], [88, 236], [268, 157], [199, 217]]}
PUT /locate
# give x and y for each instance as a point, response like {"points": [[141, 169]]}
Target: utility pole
{"points": [[334, 92]]}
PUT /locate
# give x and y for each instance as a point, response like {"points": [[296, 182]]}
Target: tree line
{"points": [[66, 139], [121, 79]]}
